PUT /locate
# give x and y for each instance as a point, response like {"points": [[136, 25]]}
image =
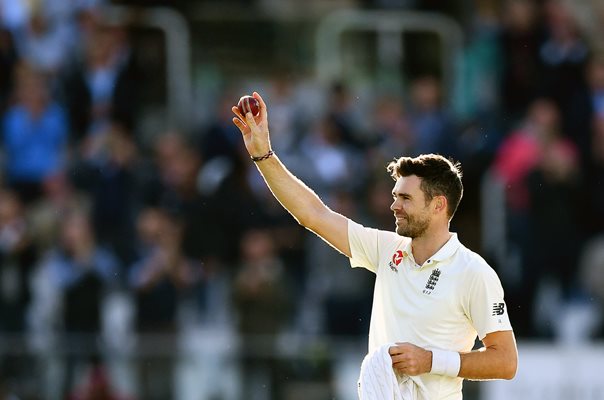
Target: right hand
{"points": [[254, 129], [410, 359]]}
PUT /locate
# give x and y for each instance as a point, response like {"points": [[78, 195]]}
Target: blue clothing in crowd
{"points": [[34, 148]]}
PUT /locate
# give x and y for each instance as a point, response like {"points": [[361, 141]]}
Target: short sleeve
{"points": [[363, 246], [366, 245], [486, 307]]}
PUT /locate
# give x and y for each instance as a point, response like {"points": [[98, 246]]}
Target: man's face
{"points": [[409, 206]]}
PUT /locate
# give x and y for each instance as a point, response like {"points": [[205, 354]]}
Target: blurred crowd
{"points": [[103, 230]]}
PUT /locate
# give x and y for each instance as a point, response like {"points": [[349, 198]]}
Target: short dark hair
{"points": [[440, 177]]}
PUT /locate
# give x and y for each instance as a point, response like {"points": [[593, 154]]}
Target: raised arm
{"points": [[297, 198]]}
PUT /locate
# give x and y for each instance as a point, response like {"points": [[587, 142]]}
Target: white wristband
{"points": [[445, 362]]}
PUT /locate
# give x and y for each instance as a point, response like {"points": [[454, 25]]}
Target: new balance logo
{"points": [[498, 308], [432, 281]]}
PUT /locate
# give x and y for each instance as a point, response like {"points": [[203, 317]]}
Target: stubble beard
{"points": [[415, 226]]}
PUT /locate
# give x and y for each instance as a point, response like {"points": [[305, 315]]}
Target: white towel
{"points": [[378, 381]]}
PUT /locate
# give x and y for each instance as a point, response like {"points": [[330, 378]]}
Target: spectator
{"points": [[261, 302], [235, 207], [83, 273], [45, 216], [116, 183], [332, 160], [103, 87], [520, 151], [17, 258], [391, 131], [162, 271], [161, 278], [518, 156], [553, 214], [519, 42], [178, 167], [34, 135], [43, 43], [478, 69], [286, 118], [341, 109], [431, 126], [563, 56], [218, 138], [345, 299]]}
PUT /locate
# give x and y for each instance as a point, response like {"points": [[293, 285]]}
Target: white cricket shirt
{"points": [[444, 303]]}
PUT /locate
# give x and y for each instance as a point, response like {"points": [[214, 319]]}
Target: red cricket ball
{"points": [[248, 104]]}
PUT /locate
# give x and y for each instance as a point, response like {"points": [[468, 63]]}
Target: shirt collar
{"points": [[445, 252]]}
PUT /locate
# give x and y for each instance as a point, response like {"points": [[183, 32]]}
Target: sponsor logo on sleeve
{"points": [[498, 308]]}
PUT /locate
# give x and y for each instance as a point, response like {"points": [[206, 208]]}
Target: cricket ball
{"points": [[248, 104]]}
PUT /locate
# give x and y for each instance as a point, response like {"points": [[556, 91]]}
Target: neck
{"points": [[429, 243]]}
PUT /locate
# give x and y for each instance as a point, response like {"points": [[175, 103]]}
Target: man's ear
{"points": [[440, 204]]}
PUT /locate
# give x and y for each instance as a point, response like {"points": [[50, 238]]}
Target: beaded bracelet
{"points": [[264, 157]]}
